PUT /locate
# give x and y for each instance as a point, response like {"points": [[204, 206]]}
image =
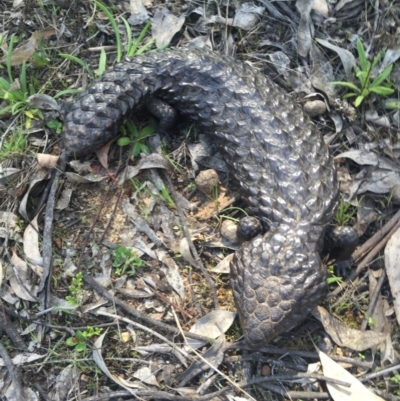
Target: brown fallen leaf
{"points": [[344, 336], [23, 53], [356, 391]]}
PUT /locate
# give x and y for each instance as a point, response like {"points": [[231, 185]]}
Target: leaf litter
{"points": [[181, 296]]}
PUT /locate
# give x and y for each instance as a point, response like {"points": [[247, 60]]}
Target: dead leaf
{"points": [[47, 161], [44, 102], [212, 326], [64, 382], [99, 361], [322, 73], [19, 281], [64, 200], [23, 53], [7, 175], [38, 179], [392, 260], [31, 247], [247, 16], [87, 179], [223, 267], [165, 25], [139, 14], [345, 336], [346, 57], [1, 273], [153, 160], [369, 158], [304, 34], [172, 274], [322, 7], [357, 391], [144, 374], [212, 358]]}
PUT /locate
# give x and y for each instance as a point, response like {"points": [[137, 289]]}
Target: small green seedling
{"points": [[332, 278], [79, 340], [15, 95], [345, 213], [363, 74], [75, 299], [131, 135], [55, 125], [124, 258]]}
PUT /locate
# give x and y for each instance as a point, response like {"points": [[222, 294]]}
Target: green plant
{"points": [[14, 145], [114, 25], [132, 48], [79, 61], [55, 125], [76, 290], [131, 135], [363, 74], [16, 94], [124, 258], [79, 340], [345, 212], [332, 278], [165, 196]]}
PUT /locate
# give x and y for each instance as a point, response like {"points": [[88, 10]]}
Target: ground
{"points": [[62, 336]]}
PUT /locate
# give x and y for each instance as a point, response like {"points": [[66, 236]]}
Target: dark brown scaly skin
{"points": [[279, 159]]}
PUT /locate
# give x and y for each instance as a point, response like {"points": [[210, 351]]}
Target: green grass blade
{"points": [[145, 47], [67, 92], [132, 51], [77, 60], [9, 53], [114, 27], [24, 86], [377, 59], [358, 101], [4, 84], [128, 35], [361, 55], [347, 85], [362, 77], [5, 110], [132, 130], [381, 77], [392, 104], [349, 95], [382, 90], [102, 63]]}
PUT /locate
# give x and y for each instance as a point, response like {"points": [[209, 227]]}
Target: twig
{"points": [[377, 241], [48, 230], [192, 248], [295, 395], [168, 302], [258, 357], [297, 376], [373, 299], [303, 354], [14, 375], [134, 312], [379, 373], [377, 237], [8, 327]]}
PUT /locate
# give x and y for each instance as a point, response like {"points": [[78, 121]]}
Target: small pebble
{"points": [[206, 181], [314, 108], [229, 230]]}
